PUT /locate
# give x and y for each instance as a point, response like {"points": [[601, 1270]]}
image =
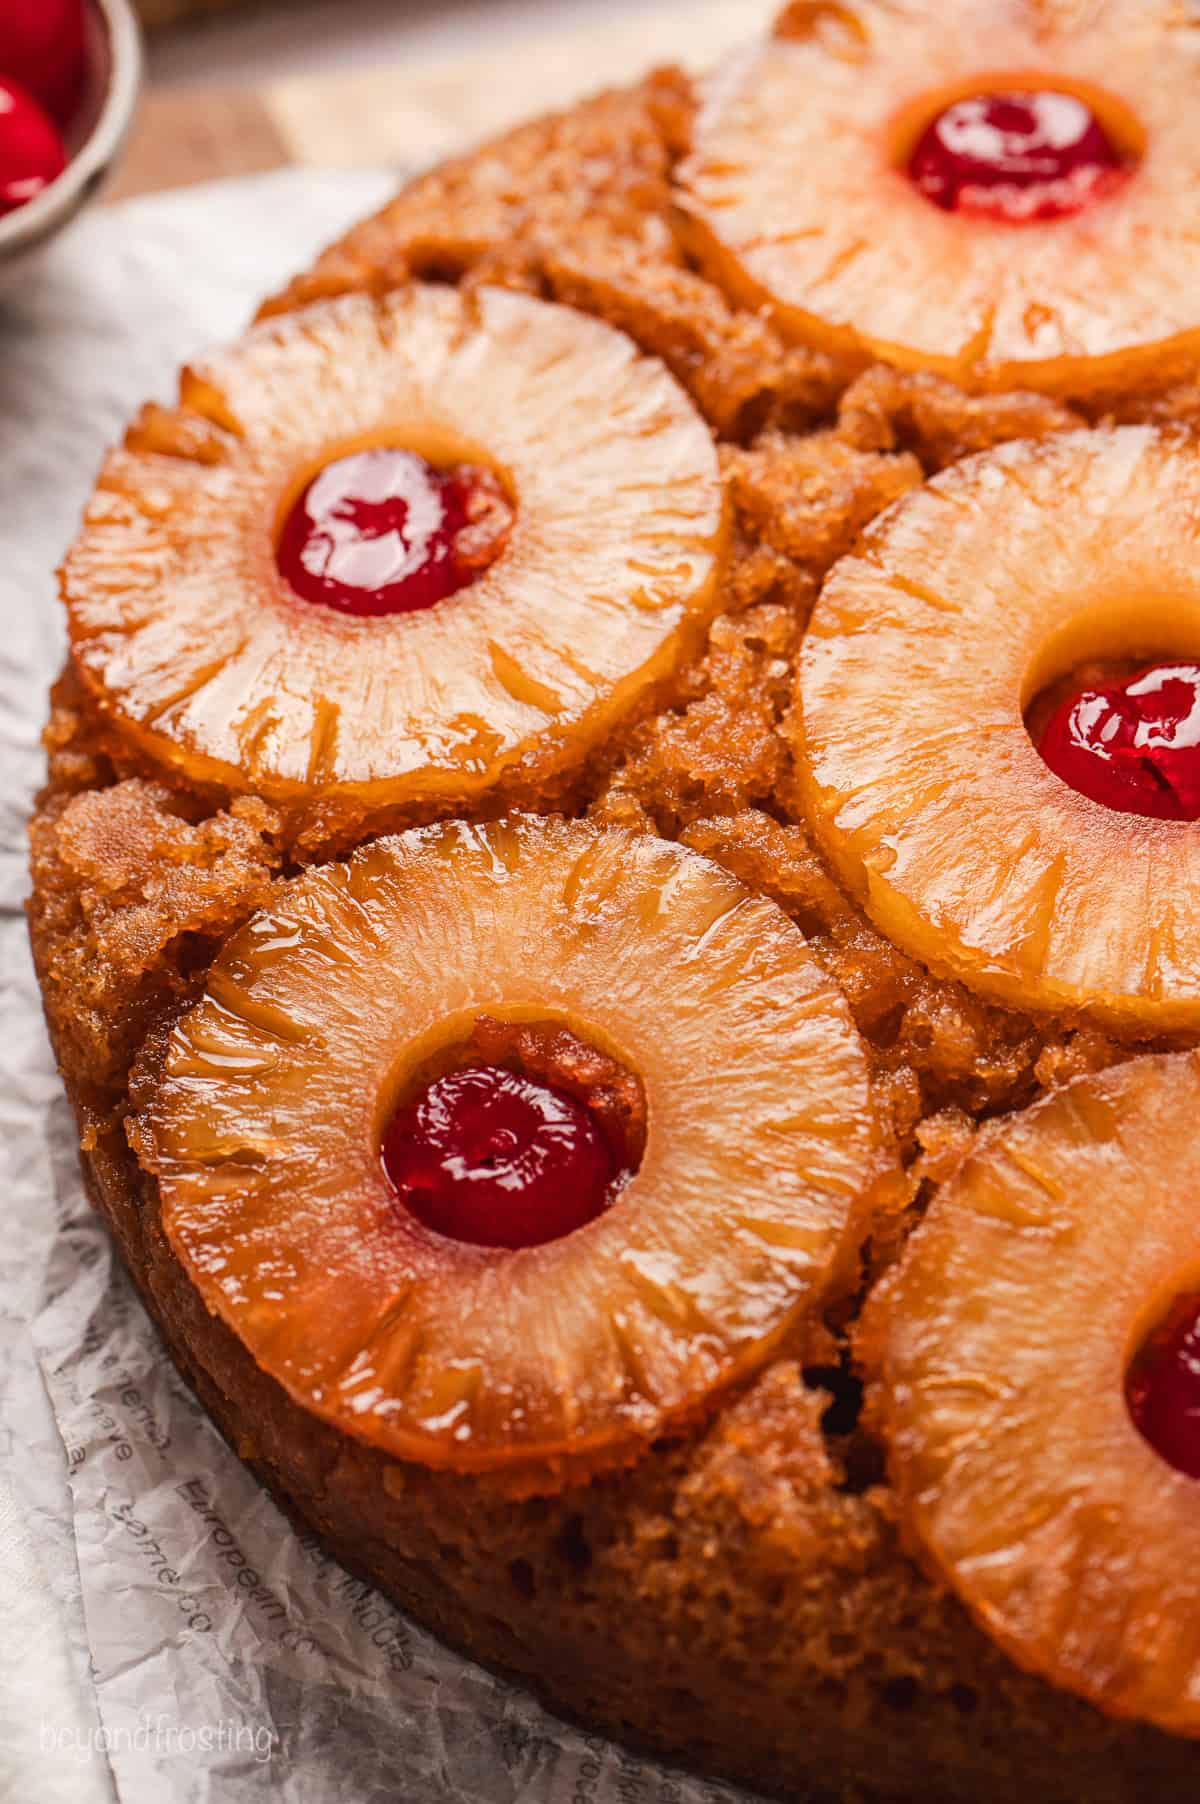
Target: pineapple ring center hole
{"points": [[1162, 1378], [1017, 146], [377, 527], [1113, 708], [513, 1133]]}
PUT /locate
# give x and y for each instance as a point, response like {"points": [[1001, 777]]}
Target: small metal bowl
{"points": [[114, 72]]}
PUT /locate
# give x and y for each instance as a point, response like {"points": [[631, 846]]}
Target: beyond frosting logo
{"points": [[161, 1736]]}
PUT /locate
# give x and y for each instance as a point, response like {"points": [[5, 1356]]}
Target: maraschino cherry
{"points": [[31, 152], [42, 49], [1017, 157], [1163, 1388], [489, 1156], [385, 532], [1133, 745]]}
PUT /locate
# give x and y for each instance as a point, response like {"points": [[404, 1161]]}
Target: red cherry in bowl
{"points": [[32, 154], [42, 48]]}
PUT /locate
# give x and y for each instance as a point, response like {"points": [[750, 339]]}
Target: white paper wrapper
{"points": [[166, 1635]]}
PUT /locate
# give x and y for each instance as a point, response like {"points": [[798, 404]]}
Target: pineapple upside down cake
{"points": [[618, 900]]}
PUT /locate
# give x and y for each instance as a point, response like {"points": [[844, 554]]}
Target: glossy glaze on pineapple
{"points": [[330, 612], [290, 1200], [1041, 880], [1036, 1400], [863, 177]]}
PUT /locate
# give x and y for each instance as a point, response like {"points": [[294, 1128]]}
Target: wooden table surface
{"points": [[411, 114]]}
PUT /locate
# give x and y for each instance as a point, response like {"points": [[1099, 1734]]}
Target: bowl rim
{"points": [[40, 217]]}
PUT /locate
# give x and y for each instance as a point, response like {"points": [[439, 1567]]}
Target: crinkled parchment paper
{"points": [[164, 1635]]}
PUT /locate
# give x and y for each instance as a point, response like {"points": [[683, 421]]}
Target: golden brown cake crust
{"points": [[742, 1598]]}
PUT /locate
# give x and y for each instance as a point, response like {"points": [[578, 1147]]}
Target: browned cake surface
{"points": [[742, 1596]]}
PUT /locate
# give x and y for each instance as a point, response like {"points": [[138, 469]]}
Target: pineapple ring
{"points": [[189, 637], [854, 259], [914, 762], [1002, 1344], [265, 1136]]}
